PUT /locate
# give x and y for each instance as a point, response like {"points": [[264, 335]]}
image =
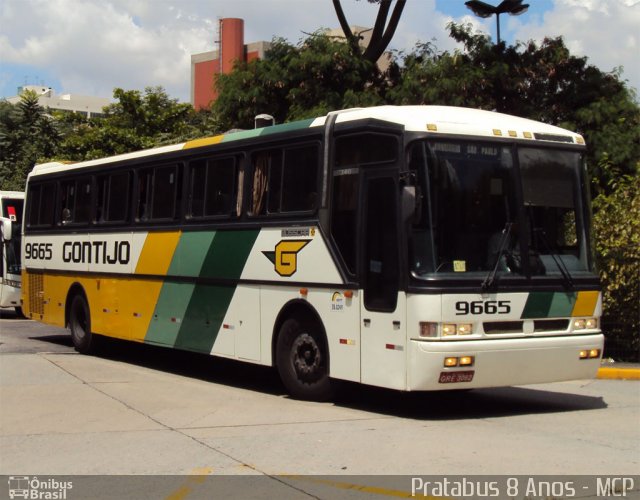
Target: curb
{"points": [[619, 373]]}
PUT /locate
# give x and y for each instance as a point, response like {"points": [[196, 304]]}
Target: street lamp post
{"points": [[484, 10]]}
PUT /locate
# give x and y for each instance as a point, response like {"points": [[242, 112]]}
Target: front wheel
{"points": [[80, 325], [302, 361]]}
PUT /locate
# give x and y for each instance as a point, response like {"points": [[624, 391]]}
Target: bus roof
{"points": [[434, 119]]}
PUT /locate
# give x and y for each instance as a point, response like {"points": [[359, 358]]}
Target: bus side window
{"points": [[300, 179], [143, 207], [265, 165], [112, 197], [41, 200]]}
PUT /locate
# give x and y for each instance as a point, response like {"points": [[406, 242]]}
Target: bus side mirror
{"points": [[5, 224], [408, 202]]}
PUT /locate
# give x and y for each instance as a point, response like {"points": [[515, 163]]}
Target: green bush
{"points": [[616, 227]]}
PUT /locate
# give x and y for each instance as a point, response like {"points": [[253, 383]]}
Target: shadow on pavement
{"points": [[438, 405]]}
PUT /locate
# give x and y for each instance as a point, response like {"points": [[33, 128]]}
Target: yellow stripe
{"points": [[585, 304], [198, 477], [205, 141], [157, 253]]}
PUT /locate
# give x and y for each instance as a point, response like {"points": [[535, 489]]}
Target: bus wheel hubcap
{"points": [[306, 355]]}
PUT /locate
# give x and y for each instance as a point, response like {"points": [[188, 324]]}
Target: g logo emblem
{"points": [[285, 256]]}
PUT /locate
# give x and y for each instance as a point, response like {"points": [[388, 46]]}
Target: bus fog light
{"points": [[579, 324], [591, 323], [449, 362], [448, 329], [594, 353], [464, 329], [428, 329], [466, 360], [584, 354]]}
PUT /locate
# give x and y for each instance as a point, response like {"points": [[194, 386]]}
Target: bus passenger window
{"points": [[113, 197], [165, 183], [212, 187], [300, 179], [220, 187], [262, 164], [143, 208]]}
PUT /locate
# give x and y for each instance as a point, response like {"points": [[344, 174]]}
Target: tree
{"points": [[135, 121], [543, 82], [616, 229], [382, 32], [292, 83], [27, 136]]}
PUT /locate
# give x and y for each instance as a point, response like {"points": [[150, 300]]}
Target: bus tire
{"points": [[80, 325], [302, 360], [19, 313]]}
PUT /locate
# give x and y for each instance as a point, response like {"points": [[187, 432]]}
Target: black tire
{"points": [[302, 361], [19, 313], [80, 325]]}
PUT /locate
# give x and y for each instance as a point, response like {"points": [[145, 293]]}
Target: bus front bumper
{"points": [[502, 362]]}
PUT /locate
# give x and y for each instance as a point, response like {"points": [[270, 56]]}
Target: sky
{"points": [[90, 47]]}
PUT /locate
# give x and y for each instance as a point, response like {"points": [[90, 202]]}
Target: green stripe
{"points": [[169, 313], [225, 259], [204, 317], [562, 305], [549, 305], [285, 127], [228, 254], [190, 253], [537, 306]]}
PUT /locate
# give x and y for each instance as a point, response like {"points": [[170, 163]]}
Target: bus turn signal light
{"points": [[589, 353], [453, 361]]}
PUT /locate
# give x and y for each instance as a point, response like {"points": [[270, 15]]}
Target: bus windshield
{"points": [[470, 218]]}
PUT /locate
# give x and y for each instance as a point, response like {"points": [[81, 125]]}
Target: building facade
{"points": [[88, 106], [231, 48]]}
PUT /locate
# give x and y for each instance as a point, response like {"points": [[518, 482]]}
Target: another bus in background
{"points": [[11, 204]]}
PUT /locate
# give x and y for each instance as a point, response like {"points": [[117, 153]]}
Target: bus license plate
{"points": [[453, 377]]}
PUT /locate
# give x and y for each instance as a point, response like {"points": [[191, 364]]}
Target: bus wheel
{"points": [[19, 313], [80, 325], [302, 361]]}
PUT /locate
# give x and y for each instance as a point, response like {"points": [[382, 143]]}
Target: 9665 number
{"points": [[483, 307]]}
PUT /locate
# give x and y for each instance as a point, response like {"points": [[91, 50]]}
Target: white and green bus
{"points": [[11, 204], [414, 248]]}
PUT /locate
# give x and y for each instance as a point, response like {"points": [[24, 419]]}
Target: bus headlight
{"points": [[585, 323], [448, 329]]}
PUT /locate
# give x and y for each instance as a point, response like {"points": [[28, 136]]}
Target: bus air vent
{"points": [[553, 137], [498, 327], [550, 325]]}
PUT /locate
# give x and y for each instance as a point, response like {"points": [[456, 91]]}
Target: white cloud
{"points": [[607, 32], [92, 46]]}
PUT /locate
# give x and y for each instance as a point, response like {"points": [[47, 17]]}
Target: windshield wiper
{"points": [[504, 240], [556, 258]]}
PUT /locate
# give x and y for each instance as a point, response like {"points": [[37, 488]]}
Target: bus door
{"points": [[383, 306]]}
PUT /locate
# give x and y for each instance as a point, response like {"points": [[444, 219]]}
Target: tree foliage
{"points": [[27, 134], [616, 227], [135, 121], [292, 83], [542, 81]]}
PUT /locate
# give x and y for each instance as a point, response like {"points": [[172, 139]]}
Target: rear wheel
{"points": [[302, 360], [80, 325]]}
